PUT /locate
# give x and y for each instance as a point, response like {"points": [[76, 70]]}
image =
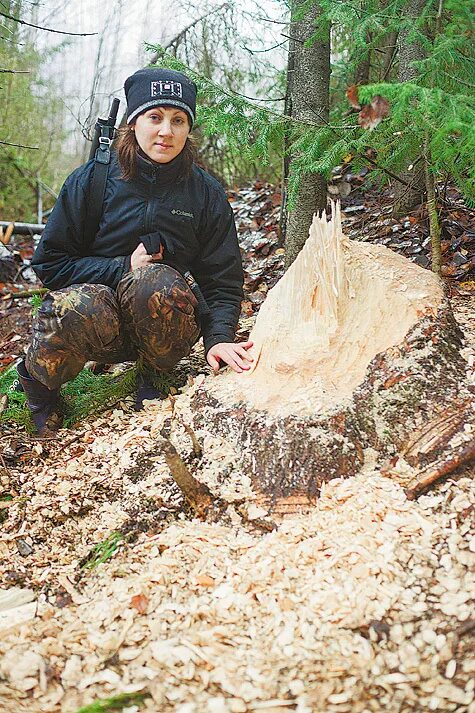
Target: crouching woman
{"points": [[119, 294]]}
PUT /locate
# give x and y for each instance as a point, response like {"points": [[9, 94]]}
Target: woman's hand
{"points": [[140, 257], [234, 355]]}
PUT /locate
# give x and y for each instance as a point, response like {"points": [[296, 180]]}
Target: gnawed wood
{"points": [[355, 348]]}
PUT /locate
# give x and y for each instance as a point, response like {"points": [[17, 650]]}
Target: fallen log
{"points": [[355, 348], [21, 228]]}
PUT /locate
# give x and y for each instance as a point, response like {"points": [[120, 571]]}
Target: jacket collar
{"points": [[158, 173]]}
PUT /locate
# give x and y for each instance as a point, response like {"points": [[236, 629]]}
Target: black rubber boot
{"points": [[146, 390], [44, 403]]}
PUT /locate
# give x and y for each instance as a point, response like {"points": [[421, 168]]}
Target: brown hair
{"points": [[126, 147]]}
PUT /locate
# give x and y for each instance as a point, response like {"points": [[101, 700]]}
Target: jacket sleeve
{"points": [[219, 271], [59, 259]]}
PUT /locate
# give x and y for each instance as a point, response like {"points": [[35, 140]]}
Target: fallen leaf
{"points": [[140, 603]]}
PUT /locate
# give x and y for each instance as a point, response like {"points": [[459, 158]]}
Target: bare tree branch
{"points": [[189, 27], [19, 146], [14, 71], [12, 42], [46, 29], [268, 49]]}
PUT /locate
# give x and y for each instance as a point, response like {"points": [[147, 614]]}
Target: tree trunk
{"points": [[409, 51], [310, 102], [364, 65], [389, 52], [434, 223], [286, 159], [355, 348]]}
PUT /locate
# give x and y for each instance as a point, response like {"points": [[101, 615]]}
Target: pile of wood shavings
{"points": [[359, 607], [367, 605], [71, 500]]}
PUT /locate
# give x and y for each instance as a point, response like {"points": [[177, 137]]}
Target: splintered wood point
{"points": [[355, 347]]}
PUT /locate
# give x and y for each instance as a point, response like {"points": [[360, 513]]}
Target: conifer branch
{"points": [[459, 81], [218, 90]]}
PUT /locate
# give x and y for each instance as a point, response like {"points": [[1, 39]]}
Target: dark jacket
{"points": [[190, 216]]}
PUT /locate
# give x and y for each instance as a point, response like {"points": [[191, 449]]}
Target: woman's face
{"points": [[161, 132]]}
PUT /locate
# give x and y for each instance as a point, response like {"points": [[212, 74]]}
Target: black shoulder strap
{"points": [[97, 189]]}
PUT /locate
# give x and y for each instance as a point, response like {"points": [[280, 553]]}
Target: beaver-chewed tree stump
{"points": [[356, 347]]}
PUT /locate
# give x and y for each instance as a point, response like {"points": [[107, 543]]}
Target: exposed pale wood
{"points": [[5, 236], [355, 348]]}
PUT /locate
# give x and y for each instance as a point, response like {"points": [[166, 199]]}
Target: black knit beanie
{"points": [[159, 87]]}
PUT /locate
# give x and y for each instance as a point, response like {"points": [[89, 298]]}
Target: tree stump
{"points": [[356, 347]]}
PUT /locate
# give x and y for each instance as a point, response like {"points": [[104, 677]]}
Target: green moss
{"points": [[116, 703]]}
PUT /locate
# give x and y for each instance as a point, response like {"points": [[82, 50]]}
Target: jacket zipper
{"points": [[148, 228]]}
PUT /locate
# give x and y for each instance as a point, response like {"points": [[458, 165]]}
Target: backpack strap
{"points": [[101, 152], [97, 188]]}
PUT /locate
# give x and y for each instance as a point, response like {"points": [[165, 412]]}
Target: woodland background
{"points": [[289, 91], [119, 591]]}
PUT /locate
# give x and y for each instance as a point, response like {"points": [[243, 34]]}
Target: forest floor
{"points": [[116, 598]]}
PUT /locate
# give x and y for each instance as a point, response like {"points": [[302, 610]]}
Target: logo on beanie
{"points": [[167, 89]]}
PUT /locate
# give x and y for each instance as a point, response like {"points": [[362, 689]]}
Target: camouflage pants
{"points": [[151, 315]]}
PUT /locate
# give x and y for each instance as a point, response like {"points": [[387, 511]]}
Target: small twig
{"points": [[19, 146], [294, 39], [197, 449], [466, 628], [197, 495], [73, 440], [267, 49], [386, 170], [436, 471], [10, 41], [14, 71], [28, 293], [3, 463], [266, 525], [46, 29]]}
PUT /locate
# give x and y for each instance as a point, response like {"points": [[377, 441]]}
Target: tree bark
{"points": [[364, 65], [409, 51], [287, 141], [355, 348], [390, 51], [310, 101], [434, 223]]}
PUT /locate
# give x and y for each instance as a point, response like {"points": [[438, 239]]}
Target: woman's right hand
{"points": [[140, 257]]}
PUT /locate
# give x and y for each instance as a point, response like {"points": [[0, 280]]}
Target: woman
{"points": [[119, 295]]}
